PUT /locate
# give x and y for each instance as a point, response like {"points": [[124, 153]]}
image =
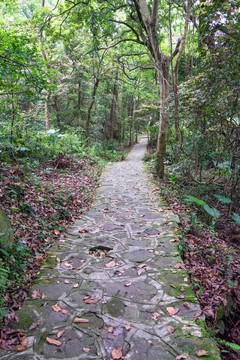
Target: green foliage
{"points": [[229, 344]]}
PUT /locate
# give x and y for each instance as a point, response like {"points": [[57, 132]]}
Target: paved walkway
{"points": [[114, 287]]}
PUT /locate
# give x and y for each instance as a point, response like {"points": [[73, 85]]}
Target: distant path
{"points": [[123, 296]]}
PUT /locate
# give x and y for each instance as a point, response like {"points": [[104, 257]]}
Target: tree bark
{"points": [[44, 56], [88, 120], [112, 120]]}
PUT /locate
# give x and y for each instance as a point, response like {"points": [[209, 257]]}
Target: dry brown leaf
{"points": [[198, 314], [60, 333], [128, 284], [174, 240], [82, 260], [86, 350], [56, 232], [180, 297], [80, 320], [56, 308], [186, 304], [178, 266], [172, 311], [53, 341], [75, 285], [66, 281], [174, 286], [180, 357], [155, 315], [128, 327], [23, 344], [116, 354], [142, 266], [202, 353], [91, 301], [150, 251], [110, 264], [209, 312], [182, 289], [34, 325], [36, 294], [170, 329], [64, 311], [149, 342], [111, 330]]}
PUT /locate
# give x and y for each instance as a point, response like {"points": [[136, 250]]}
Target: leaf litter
{"points": [[76, 185]]}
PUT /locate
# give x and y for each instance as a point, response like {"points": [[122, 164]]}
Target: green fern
{"points": [[233, 346]]}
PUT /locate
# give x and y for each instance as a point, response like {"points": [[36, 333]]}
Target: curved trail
{"points": [[124, 295]]}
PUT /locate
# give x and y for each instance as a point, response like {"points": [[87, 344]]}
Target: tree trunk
{"points": [[112, 120], [44, 56], [164, 117], [88, 120]]}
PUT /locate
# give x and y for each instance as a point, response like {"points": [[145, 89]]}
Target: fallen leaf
{"points": [[198, 314], [174, 286], [23, 344], [128, 284], [116, 354], [64, 311], [58, 260], [174, 240], [56, 308], [150, 251], [172, 311], [201, 353], [142, 266], [180, 297], [178, 266], [140, 271], [155, 315], [127, 327], [185, 279], [34, 325], [56, 232], [82, 260], [66, 281], [91, 301], [149, 342], [180, 357], [86, 350], [110, 264], [186, 304], [47, 281], [209, 312], [53, 341], [75, 285], [111, 330], [80, 320], [182, 289], [36, 294], [170, 329], [60, 333]]}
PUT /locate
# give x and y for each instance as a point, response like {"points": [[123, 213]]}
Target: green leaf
{"points": [[236, 218], [223, 199], [197, 201], [41, 199], [212, 211]]}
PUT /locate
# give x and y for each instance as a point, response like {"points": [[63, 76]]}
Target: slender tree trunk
{"points": [[175, 74], [88, 120], [47, 99], [164, 78], [112, 120]]}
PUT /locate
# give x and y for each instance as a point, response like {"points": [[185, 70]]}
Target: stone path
{"points": [[123, 296]]}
